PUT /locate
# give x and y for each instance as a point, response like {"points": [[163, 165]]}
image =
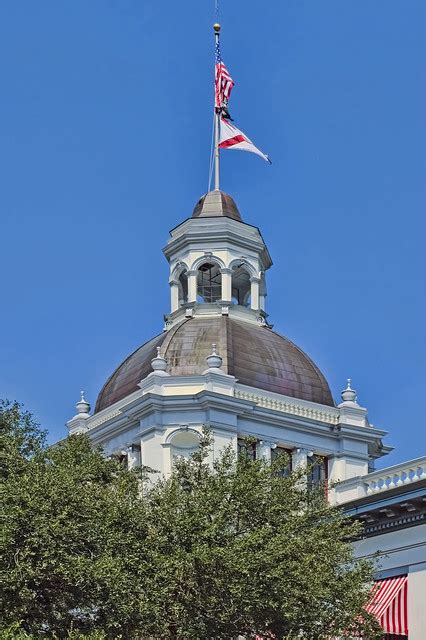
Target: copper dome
{"points": [[216, 203], [255, 355]]}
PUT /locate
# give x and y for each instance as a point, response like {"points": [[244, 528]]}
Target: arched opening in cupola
{"points": [[209, 283], [183, 288], [241, 287]]}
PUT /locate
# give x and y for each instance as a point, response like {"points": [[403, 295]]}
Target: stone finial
{"points": [[214, 361], [349, 394], [159, 364], [82, 406]]}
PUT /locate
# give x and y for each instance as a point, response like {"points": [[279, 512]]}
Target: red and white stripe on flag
{"points": [[232, 138], [389, 605], [223, 84]]}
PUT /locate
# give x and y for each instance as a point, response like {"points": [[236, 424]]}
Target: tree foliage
{"points": [[237, 548]]}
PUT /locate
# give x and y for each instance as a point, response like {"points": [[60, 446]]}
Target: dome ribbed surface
{"points": [[255, 355], [215, 204]]}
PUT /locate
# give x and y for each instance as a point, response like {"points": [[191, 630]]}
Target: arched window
{"points": [[209, 283], [184, 443], [183, 288], [240, 285]]}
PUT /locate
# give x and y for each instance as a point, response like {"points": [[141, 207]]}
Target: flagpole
{"points": [[216, 28]]}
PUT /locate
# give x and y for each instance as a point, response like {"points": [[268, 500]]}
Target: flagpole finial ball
{"points": [[216, 27]]}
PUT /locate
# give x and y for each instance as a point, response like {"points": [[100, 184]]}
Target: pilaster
{"points": [[174, 295], [226, 284], [77, 425], [255, 289], [192, 286]]}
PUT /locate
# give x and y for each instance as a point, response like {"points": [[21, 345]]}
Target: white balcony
{"points": [[377, 482]]}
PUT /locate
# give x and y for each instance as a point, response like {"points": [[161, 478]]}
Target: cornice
{"points": [[109, 430], [390, 513], [309, 411], [403, 522], [103, 418], [213, 310], [301, 415], [205, 237]]}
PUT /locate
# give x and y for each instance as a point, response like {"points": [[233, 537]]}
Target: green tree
{"points": [[237, 548], [72, 527]]}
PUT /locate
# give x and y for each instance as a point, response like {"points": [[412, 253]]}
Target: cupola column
{"points": [[226, 284], [192, 286], [174, 295], [255, 293]]}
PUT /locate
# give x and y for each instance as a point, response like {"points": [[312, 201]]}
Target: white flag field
{"points": [[232, 138]]}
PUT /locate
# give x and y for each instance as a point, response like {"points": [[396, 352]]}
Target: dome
{"points": [[255, 355], [216, 203]]}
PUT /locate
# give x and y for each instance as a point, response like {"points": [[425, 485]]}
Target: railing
{"points": [[301, 408], [396, 476], [399, 475]]}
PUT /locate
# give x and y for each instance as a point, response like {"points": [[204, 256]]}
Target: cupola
{"points": [[217, 262]]}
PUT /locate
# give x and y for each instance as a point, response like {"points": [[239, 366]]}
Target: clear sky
{"points": [[105, 124]]}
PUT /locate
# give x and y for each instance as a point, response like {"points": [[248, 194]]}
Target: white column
{"points": [[299, 460], [226, 284], [264, 448], [255, 282], [174, 295], [192, 286]]}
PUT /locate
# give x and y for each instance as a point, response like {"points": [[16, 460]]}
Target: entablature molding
{"points": [[219, 391], [178, 245]]}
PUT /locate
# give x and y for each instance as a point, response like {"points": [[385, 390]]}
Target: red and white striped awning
{"points": [[389, 605]]}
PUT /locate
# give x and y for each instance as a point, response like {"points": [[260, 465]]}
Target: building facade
{"points": [[219, 363], [392, 504]]}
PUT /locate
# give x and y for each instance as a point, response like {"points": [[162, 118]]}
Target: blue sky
{"points": [[105, 124]]}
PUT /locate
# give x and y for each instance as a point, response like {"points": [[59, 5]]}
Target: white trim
{"points": [[318, 412], [206, 260], [180, 429]]}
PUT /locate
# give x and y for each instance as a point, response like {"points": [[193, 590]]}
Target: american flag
{"points": [[223, 81]]}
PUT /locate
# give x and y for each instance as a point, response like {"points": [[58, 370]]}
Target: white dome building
{"points": [[219, 363], [262, 384]]}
